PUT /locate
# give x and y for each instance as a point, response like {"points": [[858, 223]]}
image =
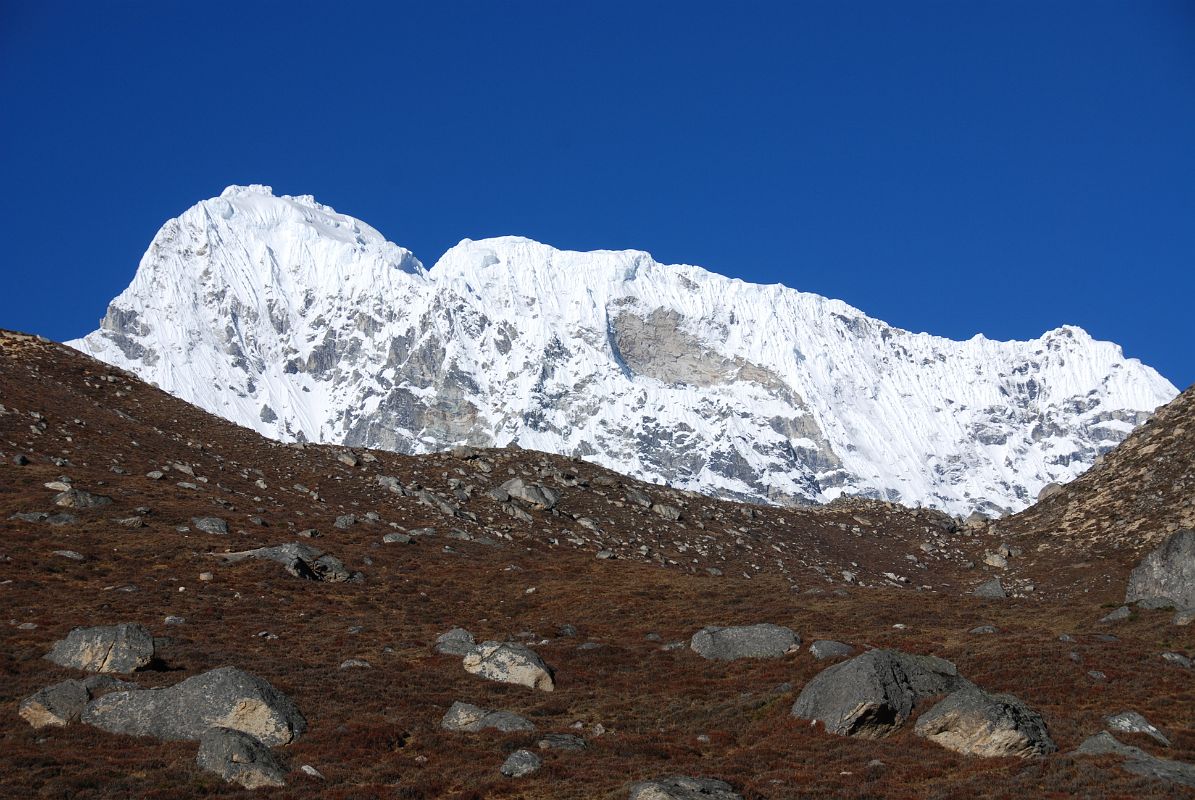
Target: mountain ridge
{"points": [[322, 330]]}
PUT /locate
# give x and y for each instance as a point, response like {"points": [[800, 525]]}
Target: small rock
{"points": [[173, 620], [345, 521], [307, 769], [210, 525], [355, 663], [824, 649], [206, 576], [984, 629], [396, 538], [1132, 722], [521, 763], [473, 719], [71, 554], [1120, 614], [561, 741], [77, 498], [1177, 658], [990, 590], [456, 642]]}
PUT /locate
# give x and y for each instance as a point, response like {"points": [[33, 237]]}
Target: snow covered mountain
{"points": [[304, 324]]}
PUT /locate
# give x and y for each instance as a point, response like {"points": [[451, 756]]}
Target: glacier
{"points": [[284, 316]]}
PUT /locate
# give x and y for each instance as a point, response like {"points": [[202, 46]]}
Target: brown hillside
{"points": [[374, 731]]}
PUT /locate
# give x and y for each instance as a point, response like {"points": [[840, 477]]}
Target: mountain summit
{"points": [[304, 324]]}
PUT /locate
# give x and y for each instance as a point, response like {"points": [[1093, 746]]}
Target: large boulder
{"points": [[105, 648], [533, 494], [744, 641], [874, 693], [976, 723], [239, 758], [63, 703], [508, 662], [298, 559], [682, 787], [1168, 572], [226, 697], [1137, 761], [473, 719]]}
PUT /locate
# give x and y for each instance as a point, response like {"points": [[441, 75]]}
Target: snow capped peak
{"points": [[288, 317], [253, 188]]}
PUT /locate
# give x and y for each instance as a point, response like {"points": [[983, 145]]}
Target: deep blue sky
{"points": [[954, 167]]}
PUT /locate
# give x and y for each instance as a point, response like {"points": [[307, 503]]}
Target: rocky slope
{"points": [[167, 511], [304, 324]]}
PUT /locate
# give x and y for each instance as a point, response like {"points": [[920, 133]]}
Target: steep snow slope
{"points": [[284, 316]]}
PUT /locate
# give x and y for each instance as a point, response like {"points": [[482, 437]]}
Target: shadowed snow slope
{"points": [[301, 323]]}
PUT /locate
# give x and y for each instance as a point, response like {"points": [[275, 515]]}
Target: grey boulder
{"points": [[683, 787], [824, 649], [990, 590], [473, 719], [521, 763], [300, 560], [1137, 761], [976, 723], [77, 498], [1132, 722], [237, 757], [540, 497], [875, 692], [1168, 572], [105, 648], [744, 641], [225, 697], [210, 525], [63, 703], [456, 642]]}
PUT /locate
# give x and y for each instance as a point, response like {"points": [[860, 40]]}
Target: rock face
{"points": [[744, 641], [237, 757], [1168, 572], [63, 703], [874, 693], [682, 787], [105, 648], [226, 697], [327, 332], [1137, 761], [507, 662], [976, 723], [300, 560], [468, 717]]}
